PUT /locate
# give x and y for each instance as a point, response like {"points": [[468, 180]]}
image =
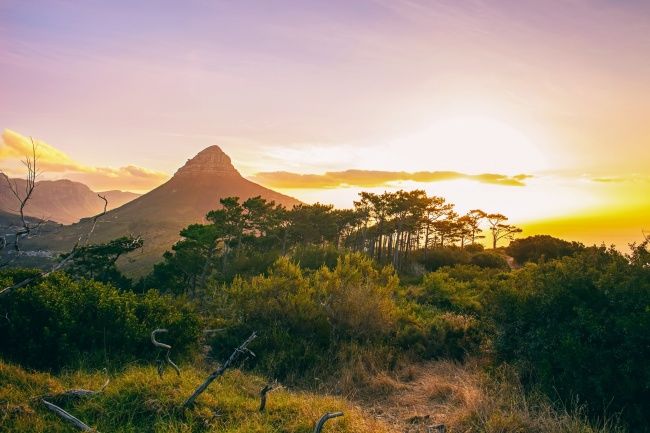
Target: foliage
{"points": [[60, 321], [321, 320], [581, 326], [541, 247], [440, 257], [489, 259], [313, 257], [98, 261]]}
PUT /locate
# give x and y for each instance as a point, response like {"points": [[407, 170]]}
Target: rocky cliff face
{"points": [[210, 161]]}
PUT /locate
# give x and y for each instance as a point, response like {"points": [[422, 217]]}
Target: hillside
{"points": [[63, 201], [159, 215]]}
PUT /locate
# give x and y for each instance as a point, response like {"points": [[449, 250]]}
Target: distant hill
{"points": [[63, 201], [159, 215]]}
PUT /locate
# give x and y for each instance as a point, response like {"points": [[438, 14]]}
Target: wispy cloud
{"points": [[637, 178], [374, 178], [15, 147]]}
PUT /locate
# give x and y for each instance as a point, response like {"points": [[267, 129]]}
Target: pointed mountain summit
{"points": [[210, 161], [159, 215]]}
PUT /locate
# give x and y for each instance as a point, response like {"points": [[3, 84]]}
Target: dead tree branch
{"points": [[67, 417], [242, 349], [321, 422], [166, 347], [264, 391], [80, 392], [68, 258], [30, 163]]}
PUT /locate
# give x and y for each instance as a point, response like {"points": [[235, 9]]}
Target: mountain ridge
{"points": [[64, 201], [159, 215]]}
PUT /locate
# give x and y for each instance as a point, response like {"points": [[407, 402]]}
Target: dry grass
{"points": [[467, 400]]}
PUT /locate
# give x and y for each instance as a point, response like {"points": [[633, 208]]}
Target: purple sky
{"points": [[309, 87]]}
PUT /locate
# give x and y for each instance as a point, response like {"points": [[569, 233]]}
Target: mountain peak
{"points": [[211, 160]]}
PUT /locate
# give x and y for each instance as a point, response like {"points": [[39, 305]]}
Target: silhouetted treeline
{"points": [[246, 237]]}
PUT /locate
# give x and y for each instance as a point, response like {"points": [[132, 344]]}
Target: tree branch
{"points": [[166, 347], [243, 348], [63, 262], [321, 422], [67, 417]]}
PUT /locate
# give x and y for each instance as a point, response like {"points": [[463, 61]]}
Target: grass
{"points": [[137, 400], [463, 397], [466, 399]]}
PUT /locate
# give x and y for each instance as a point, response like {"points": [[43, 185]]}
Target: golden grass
{"points": [[137, 400], [467, 400]]}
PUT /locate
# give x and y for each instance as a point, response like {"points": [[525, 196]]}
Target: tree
{"points": [[499, 229], [97, 262], [473, 219]]}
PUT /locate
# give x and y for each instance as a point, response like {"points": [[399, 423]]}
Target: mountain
{"points": [[63, 201], [159, 215]]}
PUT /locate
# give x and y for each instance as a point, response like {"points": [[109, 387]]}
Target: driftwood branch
{"points": [[166, 347], [328, 416], [79, 392], [243, 348], [67, 417], [63, 262], [85, 392], [264, 391]]}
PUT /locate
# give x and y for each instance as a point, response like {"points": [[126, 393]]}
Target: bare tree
{"points": [[22, 196], [499, 229], [68, 258]]}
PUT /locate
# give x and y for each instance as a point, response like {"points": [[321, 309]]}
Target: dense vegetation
{"points": [[340, 298]]}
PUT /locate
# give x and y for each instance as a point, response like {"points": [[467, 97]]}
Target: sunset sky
{"points": [[536, 109]]}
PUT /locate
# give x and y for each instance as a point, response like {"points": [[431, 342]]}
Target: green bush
{"points": [[439, 257], [488, 259], [580, 327], [541, 247], [315, 256], [304, 320], [60, 321]]}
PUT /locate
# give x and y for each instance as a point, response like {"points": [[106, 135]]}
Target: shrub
{"points": [[440, 257], [541, 247], [315, 256], [304, 320], [474, 248], [489, 259], [581, 326], [60, 321]]}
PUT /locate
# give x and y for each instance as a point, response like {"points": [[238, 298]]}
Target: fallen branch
{"points": [[84, 392], [164, 346], [321, 422], [219, 371], [67, 417]]}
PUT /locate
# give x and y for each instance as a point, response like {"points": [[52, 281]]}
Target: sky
{"points": [[535, 109]]}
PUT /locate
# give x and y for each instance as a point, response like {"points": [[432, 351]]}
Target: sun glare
{"points": [[470, 144]]}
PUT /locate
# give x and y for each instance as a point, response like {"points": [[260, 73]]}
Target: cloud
{"points": [[15, 147], [628, 178], [374, 178]]}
